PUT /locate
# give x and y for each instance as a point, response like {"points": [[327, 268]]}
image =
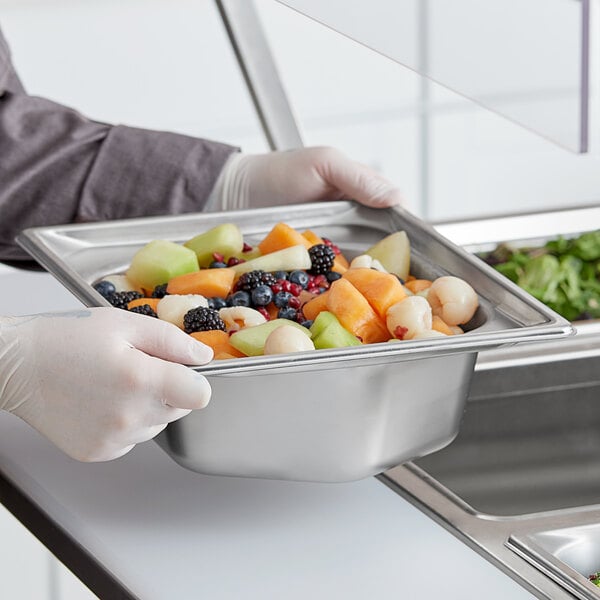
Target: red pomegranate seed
{"points": [[276, 287], [329, 243], [264, 312], [400, 332], [234, 260], [320, 280], [295, 289], [247, 248], [293, 302], [218, 257], [286, 285]]}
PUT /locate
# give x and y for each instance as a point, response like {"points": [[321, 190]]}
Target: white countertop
{"points": [[165, 532]]}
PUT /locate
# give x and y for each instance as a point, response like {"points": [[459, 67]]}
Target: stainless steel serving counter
{"points": [[520, 483], [143, 527], [519, 487]]}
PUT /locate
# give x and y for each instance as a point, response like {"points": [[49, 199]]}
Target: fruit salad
{"points": [[292, 292]]}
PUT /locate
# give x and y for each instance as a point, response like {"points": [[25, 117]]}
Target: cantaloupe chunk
{"points": [[312, 237], [226, 355], [438, 324], [152, 302], [418, 285], [355, 313], [272, 310], [280, 237], [313, 307], [340, 264], [206, 282], [380, 289], [219, 341]]}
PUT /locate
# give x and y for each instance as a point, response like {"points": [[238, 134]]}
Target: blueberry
{"points": [[261, 295], [299, 277], [217, 264], [280, 274], [217, 302], [240, 298], [307, 324], [332, 276], [281, 299], [287, 313], [105, 288]]}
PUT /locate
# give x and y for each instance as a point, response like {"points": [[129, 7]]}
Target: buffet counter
{"points": [[144, 527]]}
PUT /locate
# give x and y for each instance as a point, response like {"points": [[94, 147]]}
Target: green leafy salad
{"points": [[595, 578], [564, 273]]}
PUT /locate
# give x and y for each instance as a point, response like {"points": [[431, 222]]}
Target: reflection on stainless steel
{"points": [[520, 483], [568, 555], [529, 440], [325, 415], [525, 460]]}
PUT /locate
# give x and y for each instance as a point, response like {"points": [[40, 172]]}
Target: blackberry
{"points": [[122, 299], [299, 277], [105, 288], [240, 298], [321, 258], [160, 291], [248, 281], [261, 295], [202, 319], [144, 309]]}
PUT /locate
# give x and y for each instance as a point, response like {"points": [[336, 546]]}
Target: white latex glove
{"points": [[294, 176], [96, 382]]}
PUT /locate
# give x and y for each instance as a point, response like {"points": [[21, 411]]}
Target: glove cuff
{"points": [[232, 189], [12, 394]]}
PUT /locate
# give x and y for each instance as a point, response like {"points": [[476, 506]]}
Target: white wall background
{"points": [[166, 64]]}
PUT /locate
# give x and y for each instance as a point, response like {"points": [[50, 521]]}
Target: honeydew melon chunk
{"points": [[288, 259], [122, 283], [251, 340], [328, 332], [225, 239], [393, 252], [160, 260], [250, 254]]}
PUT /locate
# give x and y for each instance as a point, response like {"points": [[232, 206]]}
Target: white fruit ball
{"points": [[428, 333], [452, 299], [240, 317], [287, 338], [408, 317], [173, 307]]}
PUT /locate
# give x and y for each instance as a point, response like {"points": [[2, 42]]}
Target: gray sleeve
{"points": [[57, 166], [9, 81]]}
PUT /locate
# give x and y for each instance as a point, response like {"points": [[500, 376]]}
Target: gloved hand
{"points": [[96, 382], [295, 176]]}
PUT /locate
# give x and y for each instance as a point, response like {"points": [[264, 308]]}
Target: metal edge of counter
{"points": [[62, 545]]}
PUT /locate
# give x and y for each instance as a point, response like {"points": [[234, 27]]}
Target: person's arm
{"points": [[97, 381], [57, 166]]}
